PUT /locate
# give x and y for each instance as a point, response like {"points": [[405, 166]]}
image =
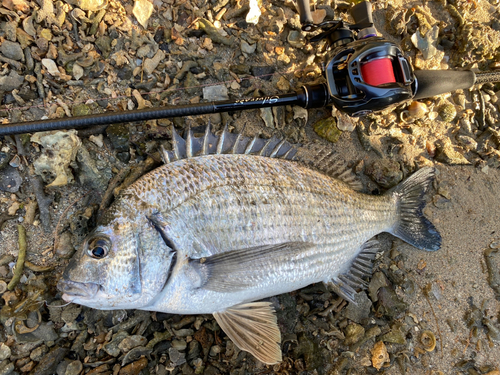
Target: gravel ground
{"points": [[69, 58]]}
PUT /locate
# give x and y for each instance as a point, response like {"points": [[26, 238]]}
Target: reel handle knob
{"points": [[305, 15], [362, 14]]}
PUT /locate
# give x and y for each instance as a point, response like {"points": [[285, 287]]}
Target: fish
{"points": [[229, 221]]}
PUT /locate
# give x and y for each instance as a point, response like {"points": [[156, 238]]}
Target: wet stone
{"points": [[11, 82], [353, 333], [4, 351], [37, 354], [6, 368], [10, 179], [385, 172], [360, 311], [263, 72], [119, 136], [74, 368], [176, 357], [131, 342], [50, 361], [4, 159], [81, 110], [12, 50], [112, 347]]}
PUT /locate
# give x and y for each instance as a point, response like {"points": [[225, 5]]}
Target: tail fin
{"points": [[412, 226]]}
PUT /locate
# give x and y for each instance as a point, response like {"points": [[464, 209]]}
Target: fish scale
{"points": [[216, 233]]}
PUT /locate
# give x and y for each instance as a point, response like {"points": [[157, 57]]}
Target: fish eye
{"points": [[98, 248]]}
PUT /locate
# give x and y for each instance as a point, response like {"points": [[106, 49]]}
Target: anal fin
{"points": [[253, 327], [347, 284]]}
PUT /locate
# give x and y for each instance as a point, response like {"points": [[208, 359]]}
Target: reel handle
{"points": [[362, 14], [437, 82]]}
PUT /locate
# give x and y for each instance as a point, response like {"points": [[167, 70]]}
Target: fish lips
{"points": [[74, 289]]}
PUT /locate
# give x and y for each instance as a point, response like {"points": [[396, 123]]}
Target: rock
{"points": [[4, 351], [142, 11], [353, 333], [176, 357], [131, 342], [359, 311], [263, 72], [378, 281], [112, 347], [51, 67], [11, 82], [77, 71], [295, 39], [59, 150], [327, 128], [215, 93], [267, 115], [445, 153], [149, 65], [12, 50], [385, 172], [38, 353], [10, 179], [64, 248], [4, 160], [134, 368], [6, 368], [119, 136], [92, 5], [248, 48], [74, 368], [379, 355], [49, 362]]}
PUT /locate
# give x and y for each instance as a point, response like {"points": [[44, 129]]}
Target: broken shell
{"points": [[428, 340], [3, 286], [379, 355]]}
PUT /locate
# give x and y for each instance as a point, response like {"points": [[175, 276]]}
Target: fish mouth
{"points": [[74, 289]]}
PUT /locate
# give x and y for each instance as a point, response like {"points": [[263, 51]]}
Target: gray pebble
{"points": [[215, 93], [12, 50], [10, 179], [248, 48], [38, 353], [6, 368], [112, 348], [4, 352], [176, 357], [4, 159], [361, 310], [11, 82], [74, 368], [131, 342], [64, 247]]}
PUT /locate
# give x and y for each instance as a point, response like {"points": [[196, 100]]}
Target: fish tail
{"points": [[412, 226]]}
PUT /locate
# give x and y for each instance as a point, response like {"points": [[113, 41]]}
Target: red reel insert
{"points": [[377, 72]]}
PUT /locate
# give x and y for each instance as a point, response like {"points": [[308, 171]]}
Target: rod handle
{"points": [[436, 82]]}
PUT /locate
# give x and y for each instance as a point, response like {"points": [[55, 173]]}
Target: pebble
{"points": [[11, 82], [215, 93], [51, 67], [176, 357], [64, 248], [248, 48], [142, 12], [6, 368], [38, 353], [134, 368], [49, 362], [385, 172], [4, 351], [112, 347], [119, 136], [10, 179], [74, 368], [360, 311], [4, 160], [263, 72], [131, 342], [149, 65], [12, 50]]}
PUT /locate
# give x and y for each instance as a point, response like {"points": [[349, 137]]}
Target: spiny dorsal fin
{"points": [[253, 327], [325, 160], [226, 143], [346, 285]]}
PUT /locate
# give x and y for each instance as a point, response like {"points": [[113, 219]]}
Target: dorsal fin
{"points": [[226, 143], [328, 162], [346, 284], [315, 157]]}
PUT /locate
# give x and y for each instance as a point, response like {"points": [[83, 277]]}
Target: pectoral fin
{"points": [[240, 269], [253, 327]]}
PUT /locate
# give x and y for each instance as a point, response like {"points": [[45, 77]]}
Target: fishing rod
{"points": [[364, 74]]}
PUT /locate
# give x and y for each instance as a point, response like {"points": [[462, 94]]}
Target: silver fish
{"points": [[231, 220]]}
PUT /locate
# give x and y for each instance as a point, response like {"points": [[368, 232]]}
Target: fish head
{"points": [[118, 266]]}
